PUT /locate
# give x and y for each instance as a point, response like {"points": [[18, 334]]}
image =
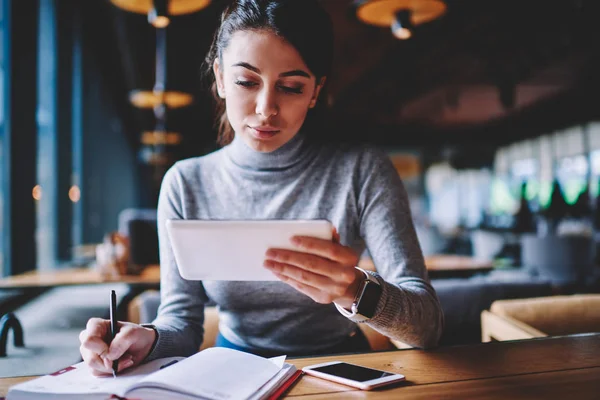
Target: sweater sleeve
{"points": [[180, 318], [408, 310]]}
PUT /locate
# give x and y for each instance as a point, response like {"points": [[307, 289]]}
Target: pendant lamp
{"points": [[156, 138], [153, 98], [159, 95], [401, 16], [158, 11]]}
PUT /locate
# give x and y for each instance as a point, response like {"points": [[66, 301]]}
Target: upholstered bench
{"points": [[542, 316]]}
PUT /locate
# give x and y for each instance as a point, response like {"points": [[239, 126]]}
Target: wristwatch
{"points": [[366, 299]]}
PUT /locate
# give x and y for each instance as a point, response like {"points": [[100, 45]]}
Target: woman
{"points": [[270, 60]]}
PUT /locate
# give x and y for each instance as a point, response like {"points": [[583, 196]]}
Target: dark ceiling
{"points": [[487, 72]]}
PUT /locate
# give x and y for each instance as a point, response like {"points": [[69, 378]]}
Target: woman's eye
{"points": [[246, 83], [293, 90]]}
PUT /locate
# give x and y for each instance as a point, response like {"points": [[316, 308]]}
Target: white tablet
{"points": [[231, 250]]}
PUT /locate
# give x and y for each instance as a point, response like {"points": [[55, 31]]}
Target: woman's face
{"points": [[267, 87]]}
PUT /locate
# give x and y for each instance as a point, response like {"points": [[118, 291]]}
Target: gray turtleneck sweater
{"points": [[356, 188]]}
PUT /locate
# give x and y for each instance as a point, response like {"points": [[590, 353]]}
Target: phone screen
{"points": [[352, 372]]}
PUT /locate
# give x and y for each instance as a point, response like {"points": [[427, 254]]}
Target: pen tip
{"points": [[114, 374]]}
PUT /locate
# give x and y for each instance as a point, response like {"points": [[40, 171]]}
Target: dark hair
{"points": [[302, 23]]}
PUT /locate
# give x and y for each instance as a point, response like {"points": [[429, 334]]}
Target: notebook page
{"points": [[78, 379], [279, 361], [217, 373], [285, 372]]}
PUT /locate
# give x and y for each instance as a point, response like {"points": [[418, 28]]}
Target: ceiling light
{"points": [[171, 7], [158, 14], [399, 15], [152, 99], [151, 156], [156, 138], [402, 26]]}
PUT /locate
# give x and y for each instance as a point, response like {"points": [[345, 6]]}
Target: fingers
{"points": [[331, 250], [98, 326], [336, 236], [93, 343], [310, 263], [121, 343], [95, 362], [124, 362], [92, 339], [99, 355], [329, 289], [102, 365], [316, 294]]}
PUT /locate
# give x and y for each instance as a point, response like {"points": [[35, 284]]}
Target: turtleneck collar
{"points": [[283, 158]]}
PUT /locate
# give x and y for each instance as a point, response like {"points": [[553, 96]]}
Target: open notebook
{"points": [[215, 373]]}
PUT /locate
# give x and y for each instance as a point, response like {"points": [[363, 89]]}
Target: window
{"points": [[3, 158], [45, 193], [595, 172], [526, 171], [572, 173]]}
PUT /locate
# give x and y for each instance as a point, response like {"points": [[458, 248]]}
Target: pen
{"points": [[114, 326]]}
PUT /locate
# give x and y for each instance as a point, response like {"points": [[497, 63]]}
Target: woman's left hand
{"points": [[321, 269]]}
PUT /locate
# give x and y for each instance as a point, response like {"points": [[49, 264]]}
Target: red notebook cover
{"points": [[286, 385]]}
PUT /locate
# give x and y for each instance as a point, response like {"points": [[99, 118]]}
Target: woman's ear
{"points": [[219, 78], [313, 101]]}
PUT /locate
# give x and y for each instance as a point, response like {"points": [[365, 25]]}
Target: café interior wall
{"points": [[109, 180]]}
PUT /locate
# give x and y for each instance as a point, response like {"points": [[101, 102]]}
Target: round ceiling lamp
{"points": [[152, 99], [399, 15], [158, 11], [152, 156], [157, 138]]}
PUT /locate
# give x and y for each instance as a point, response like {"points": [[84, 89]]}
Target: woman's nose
{"points": [[266, 104]]}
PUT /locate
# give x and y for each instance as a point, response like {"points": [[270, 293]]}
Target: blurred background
{"points": [[489, 110]]}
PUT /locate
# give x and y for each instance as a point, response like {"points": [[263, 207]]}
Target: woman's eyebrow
{"points": [[247, 66], [296, 72]]}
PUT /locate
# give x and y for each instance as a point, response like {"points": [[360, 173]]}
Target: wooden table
{"points": [[445, 265], [77, 276], [548, 368], [149, 278]]}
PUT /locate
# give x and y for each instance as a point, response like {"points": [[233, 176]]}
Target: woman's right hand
{"points": [[130, 346]]}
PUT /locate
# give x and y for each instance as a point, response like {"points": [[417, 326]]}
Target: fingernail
{"points": [[295, 240], [128, 363]]}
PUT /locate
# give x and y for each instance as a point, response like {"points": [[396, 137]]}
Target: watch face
{"points": [[369, 299]]}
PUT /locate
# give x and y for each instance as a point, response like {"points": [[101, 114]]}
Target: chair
{"points": [[562, 259], [143, 308], [542, 316], [139, 227]]}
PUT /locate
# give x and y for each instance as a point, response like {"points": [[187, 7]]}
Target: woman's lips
{"points": [[264, 133]]}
